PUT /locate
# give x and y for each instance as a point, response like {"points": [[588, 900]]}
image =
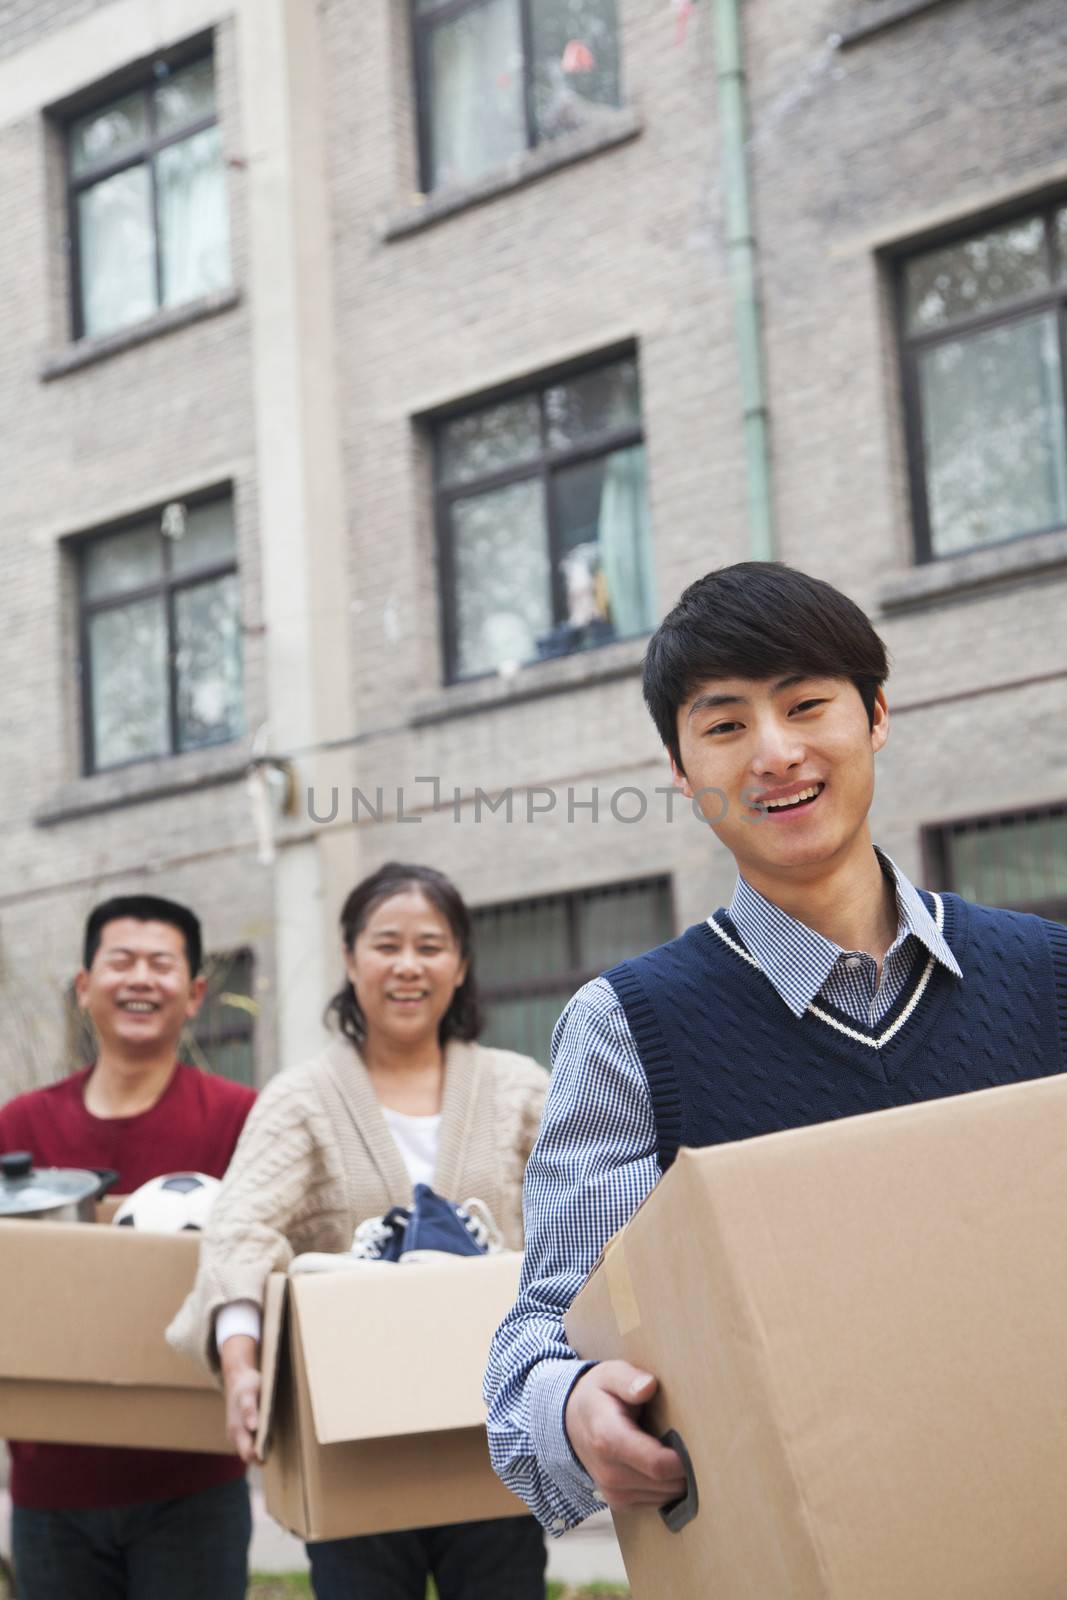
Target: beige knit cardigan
{"points": [[316, 1158]]}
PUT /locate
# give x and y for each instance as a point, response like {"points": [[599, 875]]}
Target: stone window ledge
{"points": [[616, 128], [86, 352], [865, 23], [146, 781], [937, 581], [560, 675]]}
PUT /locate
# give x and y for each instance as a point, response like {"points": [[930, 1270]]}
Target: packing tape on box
{"points": [[621, 1289]]}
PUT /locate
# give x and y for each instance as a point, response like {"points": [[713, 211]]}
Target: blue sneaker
{"points": [[381, 1238], [437, 1227], [432, 1226]]}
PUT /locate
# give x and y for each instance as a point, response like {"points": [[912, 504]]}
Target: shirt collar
{"points": [[798, 961]]}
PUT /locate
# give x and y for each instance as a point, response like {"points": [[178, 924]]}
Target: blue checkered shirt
{"points": [[595, 1161]]}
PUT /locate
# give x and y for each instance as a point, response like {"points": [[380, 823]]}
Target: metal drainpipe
{"points": [[741, 247]]}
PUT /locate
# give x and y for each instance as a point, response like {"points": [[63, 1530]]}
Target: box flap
{"points": [[400, 1350], [68, 1278], [606, 1309], [271, 1353]]}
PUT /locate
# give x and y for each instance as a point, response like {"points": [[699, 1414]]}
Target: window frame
{"points": [[421, 27], [142, 79], [911, 345], [540, 467], [936, 848], [167, 587], [204, 1040], [576, 973]]}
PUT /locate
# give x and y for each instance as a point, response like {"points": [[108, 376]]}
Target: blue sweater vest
{"points": [[726, 1059]]}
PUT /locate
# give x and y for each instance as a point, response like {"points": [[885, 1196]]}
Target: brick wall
{"points": [[850, 148], [113, 436], [26, 22]]}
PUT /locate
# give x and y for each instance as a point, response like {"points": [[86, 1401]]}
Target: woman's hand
{"points": [[239, 1359]]}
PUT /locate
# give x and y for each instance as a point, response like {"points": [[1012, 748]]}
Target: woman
{"points": [[404, 1095]]}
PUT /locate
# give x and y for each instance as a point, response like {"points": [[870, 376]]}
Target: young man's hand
{"points": [[628, 1466], [240, 1372]]}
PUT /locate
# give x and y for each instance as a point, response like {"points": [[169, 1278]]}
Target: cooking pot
{"points": [[57, 1194]]}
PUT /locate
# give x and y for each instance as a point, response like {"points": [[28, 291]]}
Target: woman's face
{"points": [[405, 966]]}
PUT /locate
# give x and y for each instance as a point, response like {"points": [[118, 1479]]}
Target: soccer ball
{"points": [[178, 1202]]}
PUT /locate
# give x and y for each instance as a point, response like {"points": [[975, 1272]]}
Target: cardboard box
{"points": [[372, 1385], [82, 1354], [860, 1331]]}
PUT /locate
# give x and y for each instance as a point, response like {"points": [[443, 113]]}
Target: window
{"points": [[81, 1040], [160, 636], [984, 339], [222, 1036], [148, 215], [496, 77], [543, 519], [532, 955], [1018, 860]]}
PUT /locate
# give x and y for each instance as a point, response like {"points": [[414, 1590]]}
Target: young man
{"points": [[831, 987], [105, 1524]]}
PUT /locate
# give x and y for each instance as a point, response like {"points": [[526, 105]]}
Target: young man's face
{"points": [[753, 744], [139, 992]]}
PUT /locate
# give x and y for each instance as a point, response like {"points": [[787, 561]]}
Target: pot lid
{"points": [[25, 1188]]}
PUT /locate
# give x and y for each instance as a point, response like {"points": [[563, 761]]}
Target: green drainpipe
{"points": [[741, 246]]}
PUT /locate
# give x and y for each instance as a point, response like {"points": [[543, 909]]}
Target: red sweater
{"points": [[193, 1127]]}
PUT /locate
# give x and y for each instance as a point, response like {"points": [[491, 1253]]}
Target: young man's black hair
{"points": [[758, 619], [144, 908]]}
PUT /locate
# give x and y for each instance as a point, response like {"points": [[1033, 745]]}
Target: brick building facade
{"points": [[410, 319]]}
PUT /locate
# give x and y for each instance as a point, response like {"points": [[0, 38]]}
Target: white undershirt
{"points": [[417, 1139]]}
